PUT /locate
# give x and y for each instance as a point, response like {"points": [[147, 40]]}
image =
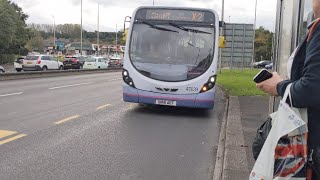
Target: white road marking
{"points": [[71, 85], [12, 94]]}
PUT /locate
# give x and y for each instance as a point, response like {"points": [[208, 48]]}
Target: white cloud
{"points": [[112, 12]]}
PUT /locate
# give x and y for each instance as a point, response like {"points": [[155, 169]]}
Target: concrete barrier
{"points": [[44, 74]]}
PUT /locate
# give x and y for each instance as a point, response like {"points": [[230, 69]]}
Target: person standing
{"points": [[305, 90]]}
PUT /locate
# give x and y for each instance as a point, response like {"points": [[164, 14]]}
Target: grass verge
{"points": [[238, 83]]}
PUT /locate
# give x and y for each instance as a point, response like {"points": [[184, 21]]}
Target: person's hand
{"points": [[270, 85]]}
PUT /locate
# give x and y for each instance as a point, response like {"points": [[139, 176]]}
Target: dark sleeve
{"points": [[281, 87], [305, 92]]}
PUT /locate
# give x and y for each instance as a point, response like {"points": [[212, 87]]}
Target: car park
{"points": [[2, 70], [116, 61], [72, 62], [18, 64], [261, 64], [269, 66], [96, 63], [82, 59], [41, 63]]}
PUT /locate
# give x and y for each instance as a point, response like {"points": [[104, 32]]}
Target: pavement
{"points": [[244, 116], [78, 127]]}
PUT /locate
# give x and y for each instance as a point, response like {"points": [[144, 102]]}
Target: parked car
{"points": [[82, 59], [18, 64], [96, 63], [72, 62], [261, 64], [116, 61], [269, 66], [2, 70], [41, 63]]}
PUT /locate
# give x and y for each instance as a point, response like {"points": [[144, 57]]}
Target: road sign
{"points": [[60, 45]]}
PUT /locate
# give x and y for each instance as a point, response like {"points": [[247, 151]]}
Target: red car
{"points": [[72, 63]]}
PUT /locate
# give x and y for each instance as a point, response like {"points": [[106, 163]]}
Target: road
{"points": [[78, 127]]}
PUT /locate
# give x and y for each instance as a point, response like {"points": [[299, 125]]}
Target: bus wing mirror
{"points": [[222, 23], [222, 42]]}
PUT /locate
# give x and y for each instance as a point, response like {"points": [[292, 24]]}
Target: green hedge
{"points": [[7, 58]]}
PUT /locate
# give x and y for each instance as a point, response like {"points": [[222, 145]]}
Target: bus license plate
{"points": [[166, 102]]}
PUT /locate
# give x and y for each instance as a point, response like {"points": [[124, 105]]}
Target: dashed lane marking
{"points": [[67, 119], [4, 134], [12, 94], [71, 85], [102, 107]]}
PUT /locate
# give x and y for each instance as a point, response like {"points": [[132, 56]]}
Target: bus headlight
{"points": [[127, 79], [213, 79], [209, 85], [125, 73]]}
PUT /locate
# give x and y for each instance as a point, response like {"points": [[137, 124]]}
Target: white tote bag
{"points": [[289, 122]]}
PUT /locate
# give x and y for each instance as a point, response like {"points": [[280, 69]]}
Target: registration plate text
{"points": [[166, 102]]}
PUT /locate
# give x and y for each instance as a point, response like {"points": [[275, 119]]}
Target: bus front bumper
{"points": [[200, 100]]}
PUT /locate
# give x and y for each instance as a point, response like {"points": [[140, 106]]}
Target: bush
{"points": [[7, 58]]}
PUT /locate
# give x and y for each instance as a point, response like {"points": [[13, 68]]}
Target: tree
{"points": [[263, 44], [13, 30], [36, 42]]}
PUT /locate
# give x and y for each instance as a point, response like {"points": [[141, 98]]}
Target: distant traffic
{"points": [[43, 62]]}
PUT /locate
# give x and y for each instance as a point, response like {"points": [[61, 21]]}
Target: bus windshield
{"points": [[172, 52]]}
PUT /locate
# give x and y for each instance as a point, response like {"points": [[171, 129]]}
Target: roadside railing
{"points": [[54, 73]]}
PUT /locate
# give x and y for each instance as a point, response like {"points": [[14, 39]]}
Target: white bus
{"points": [[171, 57]]}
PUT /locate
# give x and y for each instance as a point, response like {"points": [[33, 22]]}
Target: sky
{"points": [[112, 12]]}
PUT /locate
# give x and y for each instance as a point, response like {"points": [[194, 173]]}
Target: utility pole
{"points": [[221, 29], [81, 31], [117, 38], [54, 31], [98, 32], [153, 2], [254, 34]]}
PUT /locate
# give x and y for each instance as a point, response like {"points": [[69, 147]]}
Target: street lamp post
{"points": [[117, 37], [221, 29], [254, 34], [98, 31], [153, 2], [81, 31], [54, 31]]}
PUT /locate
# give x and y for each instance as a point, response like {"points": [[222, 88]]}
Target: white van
{"points": [[96, 63]]}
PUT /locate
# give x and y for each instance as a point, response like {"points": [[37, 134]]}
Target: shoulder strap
{"points": [[312, 29]]}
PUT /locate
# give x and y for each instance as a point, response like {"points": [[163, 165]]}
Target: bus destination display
{"points": [[175, 15]]}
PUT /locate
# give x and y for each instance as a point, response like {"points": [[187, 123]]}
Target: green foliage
{"points": [[73, 32], [35, 42], [13, 30], [263, 44], [238, 83]]}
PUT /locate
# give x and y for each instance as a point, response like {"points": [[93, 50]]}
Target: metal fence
{"points": [[239, 46]]}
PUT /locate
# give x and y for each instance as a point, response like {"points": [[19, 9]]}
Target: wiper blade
{"points": [[157, 27], [188, 29]]}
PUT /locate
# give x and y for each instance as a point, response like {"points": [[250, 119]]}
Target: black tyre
{"points": [[61, 68], [44, 68], [18, 70]]}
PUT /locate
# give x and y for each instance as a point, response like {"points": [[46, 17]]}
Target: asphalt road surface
{"points": [[78, 127]]}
